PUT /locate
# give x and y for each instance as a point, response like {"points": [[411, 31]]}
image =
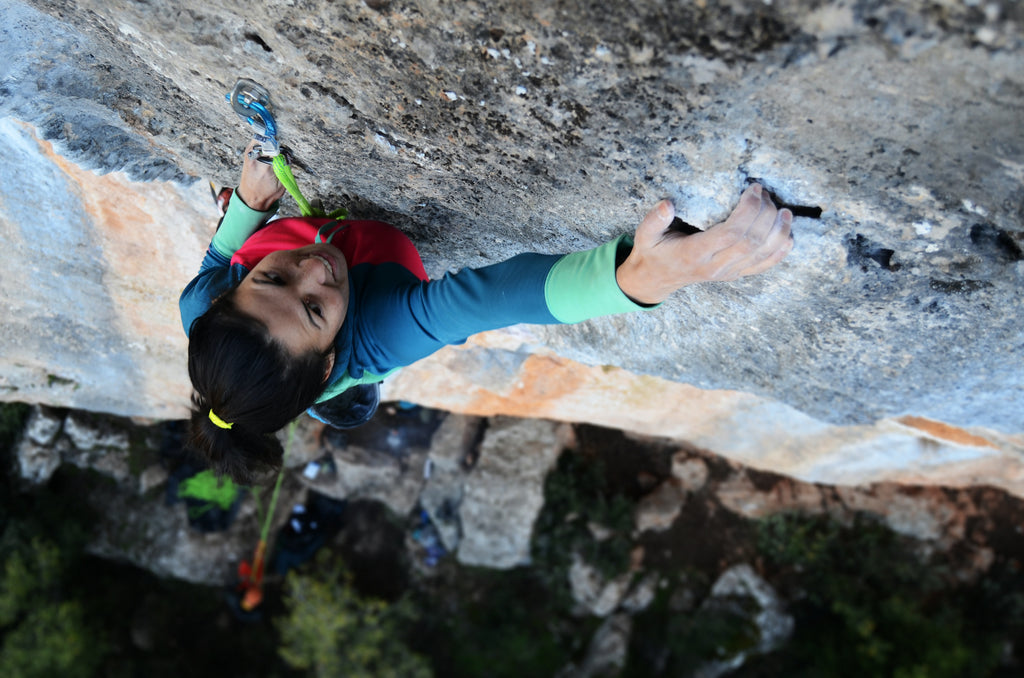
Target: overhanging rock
{"points": [[485, 131]]}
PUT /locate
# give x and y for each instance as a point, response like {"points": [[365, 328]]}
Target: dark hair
{"points": [[250, 381]]}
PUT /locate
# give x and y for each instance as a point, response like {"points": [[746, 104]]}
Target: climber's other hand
{"points": [[754, 237]]}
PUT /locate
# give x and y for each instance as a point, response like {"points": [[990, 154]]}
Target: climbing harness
{"points": [[251, 101]]}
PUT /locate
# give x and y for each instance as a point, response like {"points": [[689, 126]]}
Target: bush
{"points": [[12, 422], [575, 496], [500, 624], [332, 631], [867, 605], [676, 638], [43, 632]]}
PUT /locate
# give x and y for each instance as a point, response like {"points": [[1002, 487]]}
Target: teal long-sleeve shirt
{"points": [[394, 318]]}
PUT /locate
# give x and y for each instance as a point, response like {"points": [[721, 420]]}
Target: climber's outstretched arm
{"points": [[755, 237]]}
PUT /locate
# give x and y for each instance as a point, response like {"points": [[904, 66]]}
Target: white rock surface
{"points": [[505, 491]]}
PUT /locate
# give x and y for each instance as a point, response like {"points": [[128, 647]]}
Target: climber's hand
{"points": [[755, 237], [259, 188]]}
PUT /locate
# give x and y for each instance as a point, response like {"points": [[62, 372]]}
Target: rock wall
{"points": [[484, 129], [92, 267]]}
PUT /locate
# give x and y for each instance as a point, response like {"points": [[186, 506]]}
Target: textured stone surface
{"points": [[928, 514], [592, 592], [146, 532], [641, 595], [91, 271], [362, 473], [484, 129], [691, 473], [774, 625], [505, 491], [36, 463], [659, 509], [89, 433], [443, 490], [606, 653], [43, 425], [135, 523], [496, 372]]}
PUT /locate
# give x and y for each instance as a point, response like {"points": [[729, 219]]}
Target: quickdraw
{"points": [[251, 101]]}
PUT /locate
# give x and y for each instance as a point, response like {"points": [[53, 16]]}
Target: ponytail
{"points": [[247, 387]]}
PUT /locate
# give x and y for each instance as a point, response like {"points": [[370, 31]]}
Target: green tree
{"points": [[867, 605], [576, 495], [43, 631], [12, 422], [332, 631]]}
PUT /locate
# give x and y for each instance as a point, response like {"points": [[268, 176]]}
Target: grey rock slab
{"points": [[372, 474], [36, 463], [592, 592], [505, 491], [43, 425]]}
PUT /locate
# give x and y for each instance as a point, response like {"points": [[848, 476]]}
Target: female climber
{"points": [[311, 314]]}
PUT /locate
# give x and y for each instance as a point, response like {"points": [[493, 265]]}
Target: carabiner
{"points": [[251, 101]]}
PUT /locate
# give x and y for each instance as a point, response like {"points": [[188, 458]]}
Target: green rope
{"points": [[265, 530], [284, 174]]}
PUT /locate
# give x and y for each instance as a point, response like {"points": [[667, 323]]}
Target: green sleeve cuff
{"points": [[240, 221], [347, 381], [582, 285]]}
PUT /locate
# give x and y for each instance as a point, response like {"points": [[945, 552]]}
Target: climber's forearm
{"points": [[240, 221]]}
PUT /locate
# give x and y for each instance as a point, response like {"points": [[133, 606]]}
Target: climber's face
{"points": [[301, 295]]}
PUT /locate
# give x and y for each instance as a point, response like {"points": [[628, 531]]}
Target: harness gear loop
{"points": [[219, 422]]}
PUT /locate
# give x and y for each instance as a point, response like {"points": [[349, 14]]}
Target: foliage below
{"points": [[675, 638], [331, 630], [12, 422], [868, 605], [43, 633], [864, 601], [520, 622], [576, 496], [499, 624]]}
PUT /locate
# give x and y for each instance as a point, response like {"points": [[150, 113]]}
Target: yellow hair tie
{"points": [[218, 421]]}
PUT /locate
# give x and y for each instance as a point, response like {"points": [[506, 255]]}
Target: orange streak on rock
{"points": [[150, 238], [946, 432], [542, 380]]}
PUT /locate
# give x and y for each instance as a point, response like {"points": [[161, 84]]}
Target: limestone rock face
{"points": [[483, 496], [505, 491], [445, 486], [593, 593], [371, 474], [607, 651], [485, 130], [773, 624]]}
